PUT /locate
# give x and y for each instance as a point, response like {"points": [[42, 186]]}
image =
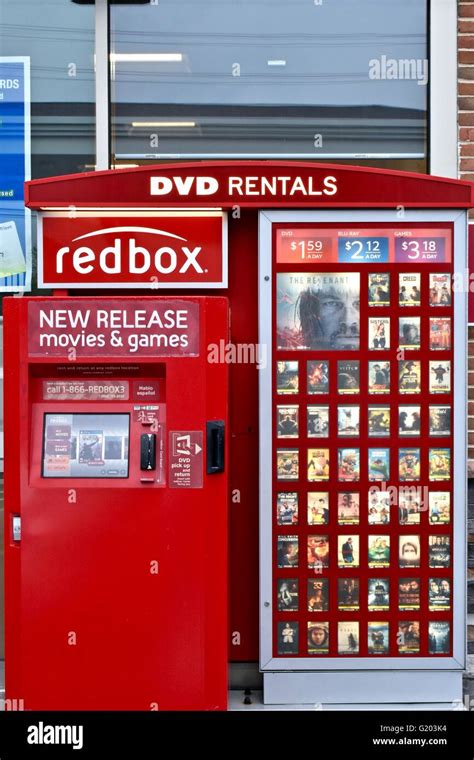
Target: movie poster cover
{"points": [[379, 464], [440, 376], [409, 505], [409, 420], [287, 508], [287, 464], [440, 289], [348, 594], [348, 465], [287, 377], [440, 333], [379, 551], [317, 376], [287, 421], [408, 637], [439, 635], [318, 552], [408, 594], [318, 595], [409, 551], [318, 508], [348, 420], [439, 551], [440, 419], [379, 333], [409, 293], [378, 418], [317, 421], [348, 376], [439, 594], [408, 464], [379, 594], [379, 507], [348, 637], [348, 551], [409, 375], [379, 289], [318, 311], [348, 506], [439, 464], [318, 638], [379, 377], [318, 464], [409, 333], [377, 637], [288, 635], [287, 551], [287, 594], [91, 444], [439, 507]]}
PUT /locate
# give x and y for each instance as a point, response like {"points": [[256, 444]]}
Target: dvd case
{"points": [[439, 634], [287, 377], [287, 594], [379, 333], [318, 464], [378, 642], [287, 508], [379, 377], [348, 594], [379, 289], [378, 418], [440, 376], [348, 506], [440, 289], [408, 637], [348, 420], [318, 638], [348, 377], [348, 637], [318, 595], [317, 377], [408, 594], [317, 421], [287, 421], [409, 551], [288, 635], [378, 594], [409, 289], [318, 508], [287, 464], [348, 551]]}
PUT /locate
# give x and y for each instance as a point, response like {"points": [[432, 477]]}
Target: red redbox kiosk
{"points": [[341, 284]]}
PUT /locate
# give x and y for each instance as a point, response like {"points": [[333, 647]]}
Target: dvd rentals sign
{"points": [[129, 250]]}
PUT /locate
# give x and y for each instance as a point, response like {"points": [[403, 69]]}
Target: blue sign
{"points": [[15, 160], [355, 250]]}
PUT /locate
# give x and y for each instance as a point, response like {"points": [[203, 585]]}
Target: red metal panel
{"points": [[88, 625], [230, 183]]}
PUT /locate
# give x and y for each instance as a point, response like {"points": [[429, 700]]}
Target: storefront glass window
{"points": [[58, 37], [309, 79]]}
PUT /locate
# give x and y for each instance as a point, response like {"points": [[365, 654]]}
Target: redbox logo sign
{"points": [[132, 251]]}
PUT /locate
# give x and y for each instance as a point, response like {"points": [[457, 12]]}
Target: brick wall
{"points": [[466, 171]]}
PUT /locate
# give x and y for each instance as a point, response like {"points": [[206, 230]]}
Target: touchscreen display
{"points": [[85, 445]]}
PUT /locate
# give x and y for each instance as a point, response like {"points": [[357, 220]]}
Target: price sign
{"points": [[420, 249], [304, 246], [363, 249]]}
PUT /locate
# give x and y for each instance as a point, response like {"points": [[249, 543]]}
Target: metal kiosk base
{"points": [[365, 687]]}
